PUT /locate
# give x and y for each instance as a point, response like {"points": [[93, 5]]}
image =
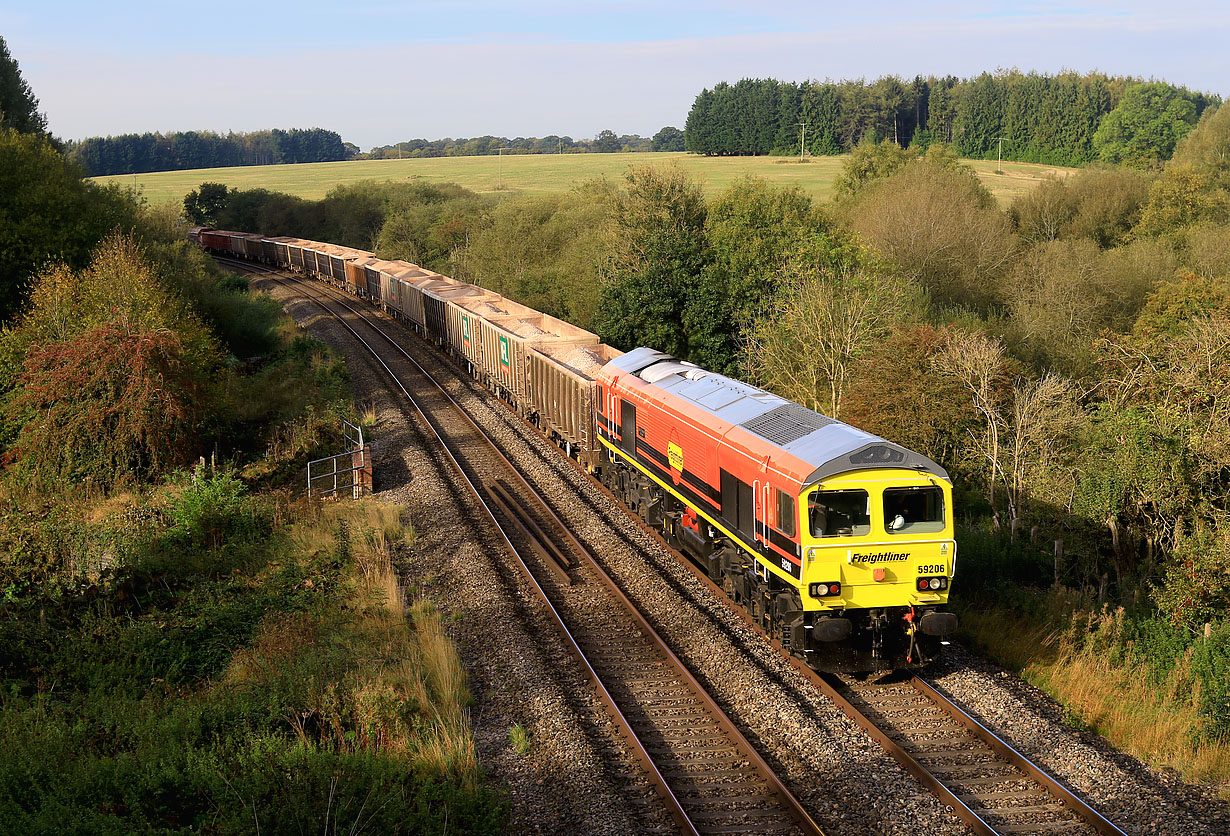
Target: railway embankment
{"points": [[189, 647]]}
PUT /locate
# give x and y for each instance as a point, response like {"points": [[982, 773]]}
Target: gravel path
{"points": [[575, 778]]}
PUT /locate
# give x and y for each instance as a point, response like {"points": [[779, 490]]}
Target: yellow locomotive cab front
{"points": [[877, 539]]}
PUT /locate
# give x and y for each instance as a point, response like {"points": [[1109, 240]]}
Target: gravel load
{"points": [[582, 359], [525, 329]]}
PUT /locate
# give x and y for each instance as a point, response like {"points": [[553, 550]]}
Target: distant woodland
{"points": [[1065, 119], [137, 153], [605, 142]]}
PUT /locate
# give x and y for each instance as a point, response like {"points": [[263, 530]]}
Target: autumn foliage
{"points": [[107, 403], [108, 373]]}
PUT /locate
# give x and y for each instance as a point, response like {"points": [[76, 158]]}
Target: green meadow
{"points": [[541, 173]]}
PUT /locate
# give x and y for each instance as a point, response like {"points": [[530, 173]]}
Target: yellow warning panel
{"points": [[674, 453]]}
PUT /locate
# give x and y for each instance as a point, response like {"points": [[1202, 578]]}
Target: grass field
{"points": [[539, 172]]}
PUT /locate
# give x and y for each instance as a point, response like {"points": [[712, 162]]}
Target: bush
{"points": [[212, 524], [994, 568], [1195, 589], [108, 404]]}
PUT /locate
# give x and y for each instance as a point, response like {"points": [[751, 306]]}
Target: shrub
{"points": [[1195, 589], [213, 517], [108, 404]]}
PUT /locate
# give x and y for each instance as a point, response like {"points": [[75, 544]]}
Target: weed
{"points": [[519, 739]]}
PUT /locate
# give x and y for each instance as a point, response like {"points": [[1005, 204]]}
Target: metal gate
{"points": [[349, 471]]}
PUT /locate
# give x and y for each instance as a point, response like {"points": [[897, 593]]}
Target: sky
{"points": [[379, 72]]}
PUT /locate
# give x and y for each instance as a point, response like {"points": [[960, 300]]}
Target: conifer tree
{"points": [[18, 107]]}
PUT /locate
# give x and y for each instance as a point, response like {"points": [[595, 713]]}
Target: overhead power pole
{"points": [[802, 139], [500, 164]]}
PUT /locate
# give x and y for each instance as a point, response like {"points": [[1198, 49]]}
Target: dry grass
{"points": [[1121, 704], [415, 661], [1121, 701], [403, 689], [542, 173]]}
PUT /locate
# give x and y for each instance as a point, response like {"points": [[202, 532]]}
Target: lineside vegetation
{"points": [[186, 644]]}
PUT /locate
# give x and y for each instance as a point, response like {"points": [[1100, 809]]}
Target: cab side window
{"points": [[785, 513]]}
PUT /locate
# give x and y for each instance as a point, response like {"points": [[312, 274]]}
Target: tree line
{"points": [[605, 142], [1065, 119], [137, 153]]}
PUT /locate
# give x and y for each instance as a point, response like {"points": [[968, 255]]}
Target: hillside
{"points": [[542, 173]]}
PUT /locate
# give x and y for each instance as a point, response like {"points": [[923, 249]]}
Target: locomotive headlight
{"points": [[935, 583]]}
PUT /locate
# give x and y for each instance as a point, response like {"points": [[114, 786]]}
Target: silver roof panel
{"points": [[829, 445]]}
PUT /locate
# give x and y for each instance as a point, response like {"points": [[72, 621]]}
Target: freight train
{"points": [[837, 542]]}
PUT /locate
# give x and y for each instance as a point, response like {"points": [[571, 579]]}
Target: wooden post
{"points": [[1058, 560], [362, 479]]}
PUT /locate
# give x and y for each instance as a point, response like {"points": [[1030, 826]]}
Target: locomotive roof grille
{"points": [[786, 423]]}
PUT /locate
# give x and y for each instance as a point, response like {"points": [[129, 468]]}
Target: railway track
{"points": [[988, 785], [711, 779], [992, 787]]}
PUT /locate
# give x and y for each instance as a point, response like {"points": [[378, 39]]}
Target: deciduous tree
{"points": [[1144, 129], [824, 322], [755, 230], [204, 205], [940, 226], [606, 142], [658, 248], [108, 403], [668, 139], [48, 213]]}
